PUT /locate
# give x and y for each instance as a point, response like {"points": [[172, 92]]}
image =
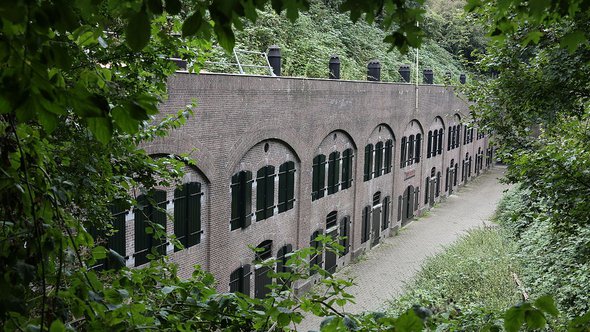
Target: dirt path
{"points": [[382, 273]]}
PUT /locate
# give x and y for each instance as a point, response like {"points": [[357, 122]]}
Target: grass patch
{"points": [[472, 277]]}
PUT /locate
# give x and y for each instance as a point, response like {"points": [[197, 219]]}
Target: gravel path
{"points": [[382, 273]]}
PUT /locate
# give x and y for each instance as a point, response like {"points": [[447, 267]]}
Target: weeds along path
{"points": [[382, 273]]}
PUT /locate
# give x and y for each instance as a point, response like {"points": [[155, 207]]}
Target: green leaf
{"points": [[123, 120], [155, 6], [57, 326], [102, 128], [192, 24], [173, 6], [138, 31], [573, 40], [513, 319], [99, 252], [535, 319], [547, 304], [409, 322]]}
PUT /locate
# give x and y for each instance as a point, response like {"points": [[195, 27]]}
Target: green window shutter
{"points": [[365, 225], [411, 141], [386, 203], [194, 213], [321, 176], [159, 217], [246, 207], [426, 191], [245, 284], [142, 214], [440, 140], [378, 167], [315, 174], [116, 241], [235, 202], [283, 184], [449, 138], [418, 147], [403, 152], [344, 236], [290, 185], [388, 155], [333, 172], [346, 168], [270, 191], [429, 148], [180, 216], [434, 150], [368, 162]]}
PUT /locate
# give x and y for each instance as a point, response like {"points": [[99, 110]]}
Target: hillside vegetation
{"points": [[307, 44]]}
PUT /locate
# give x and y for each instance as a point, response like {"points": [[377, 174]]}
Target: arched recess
{"points": [[337, 150], [435, 138], [454, 129], [411, 144], [379, 152], [259, 168]]}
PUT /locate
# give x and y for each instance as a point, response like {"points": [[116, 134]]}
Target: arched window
{"points": [[265, 192], [376, 198], [239, 280], [388, 155], [344, 235], [187, 214], [378, 169], [150, 212], [331, 219], [346, 169], [319, 177], [385, 216], [368, 162], [241, 200], [366, 226], [286, 186], [333, 172]]}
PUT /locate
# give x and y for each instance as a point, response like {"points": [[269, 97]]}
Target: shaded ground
{"points": [[381, 274]]}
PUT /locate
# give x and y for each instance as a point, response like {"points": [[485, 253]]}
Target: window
{"points": [[263, 251], [265, 192], [241, 200], [376, 198], [365, 224], [440, 140], [435, 143], [331, 219], [316, 260], [286, 186], [368, 162], [378, 169], [403, 152], [282, 258], [318, 178], [239, 280], [386, 203], [333, 172], [187, 214], [418, 145], [411, 142], [346, 169], [429, 148], [150, 212], [388, 156], [344, 236]]}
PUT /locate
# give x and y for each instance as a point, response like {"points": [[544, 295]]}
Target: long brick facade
{"points": [[244, 123]]}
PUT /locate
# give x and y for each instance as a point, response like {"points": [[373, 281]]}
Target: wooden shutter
{"points": [[347, 168], [286, 186], [440, 140], [418, 147], [117, 241], [344, 235], [449, 138], [378, 169], [365, 224], [333, 172], [142, 213], [159, 217], [426, 191], [368, 162], [411, 142], [429, 148], [403, 153], [181, 215], [246, 181], [386, 204], [399, 207], [388, 155], [194, 213]]}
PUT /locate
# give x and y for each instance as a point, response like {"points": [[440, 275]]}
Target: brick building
{"points": [[280, 160]]}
